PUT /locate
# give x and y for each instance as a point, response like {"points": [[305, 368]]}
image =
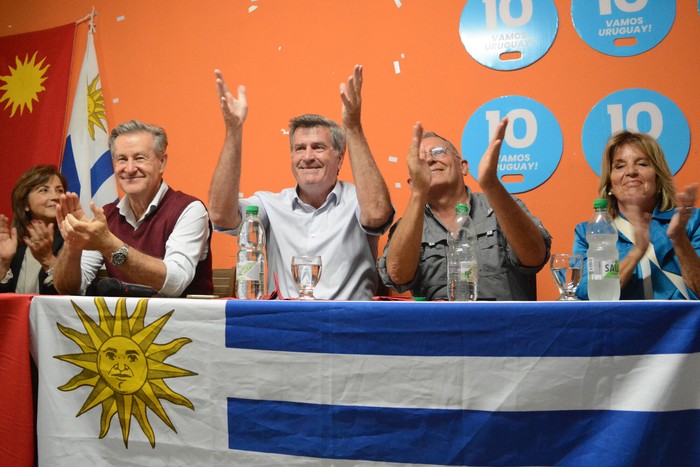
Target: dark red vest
{"points": [[153, 233]]}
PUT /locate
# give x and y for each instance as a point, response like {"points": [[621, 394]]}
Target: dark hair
{"points": [[27, 182], [312, 121], [647, 145], [160, 139]]}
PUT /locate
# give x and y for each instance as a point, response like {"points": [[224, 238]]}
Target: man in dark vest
{"points": [[154, 236]]}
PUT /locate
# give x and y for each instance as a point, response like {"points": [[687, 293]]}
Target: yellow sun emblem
{"points": [[124, 366], [96, 107], [23, 84]]}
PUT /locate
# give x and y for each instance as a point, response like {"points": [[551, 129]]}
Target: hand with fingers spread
{"points": [[351, 96], [233, 109]]}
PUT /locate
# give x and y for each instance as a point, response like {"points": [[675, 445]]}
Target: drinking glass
{"points": [[306, 271], [566, 269]]}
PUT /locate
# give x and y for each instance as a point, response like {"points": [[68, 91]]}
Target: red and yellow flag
{"points": [[34, 77]]}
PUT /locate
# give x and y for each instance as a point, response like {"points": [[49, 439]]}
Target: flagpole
{"points": [[89, 17]]}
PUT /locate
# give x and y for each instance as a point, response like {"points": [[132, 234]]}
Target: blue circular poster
{"points": [[532, 145], [508, 34], [623, 27], [636, 110]]}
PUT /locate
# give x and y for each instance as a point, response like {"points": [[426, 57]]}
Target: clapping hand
{"points": [[488, 166], [79, 232], [40, 242], [8, 242], [233, 109], [685, 201], [418, 167], [351, 95]]}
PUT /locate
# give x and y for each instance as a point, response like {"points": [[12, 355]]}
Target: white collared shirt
{"points": [[185, 248], [333, 231]]}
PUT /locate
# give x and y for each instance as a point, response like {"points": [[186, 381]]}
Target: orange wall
{"points": [[158, 63]]}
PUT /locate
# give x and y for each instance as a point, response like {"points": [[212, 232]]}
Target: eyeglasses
{"points": [[438, 152]]}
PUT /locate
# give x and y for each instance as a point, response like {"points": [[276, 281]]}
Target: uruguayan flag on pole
{"points": [[175, 382], [87, 163]]}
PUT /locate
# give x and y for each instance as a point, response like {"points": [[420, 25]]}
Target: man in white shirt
{"points": [[323, 216], [155, 236]]}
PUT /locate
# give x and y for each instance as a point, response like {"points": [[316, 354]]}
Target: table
{"points": [[197, 382]]}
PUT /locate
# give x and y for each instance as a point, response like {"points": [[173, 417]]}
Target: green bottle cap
{"points": [[462, 209], [251, 209], [600, 203]]}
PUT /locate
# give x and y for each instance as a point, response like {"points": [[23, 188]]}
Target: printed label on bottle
{"points": [[248, 271], [467, 271], [603, 269]]}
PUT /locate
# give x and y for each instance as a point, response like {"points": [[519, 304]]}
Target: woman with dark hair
{"points": [[28, 250], [658, 229]]}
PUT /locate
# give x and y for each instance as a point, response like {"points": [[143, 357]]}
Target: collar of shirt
{"points": [[332, 197], [126, 211]]}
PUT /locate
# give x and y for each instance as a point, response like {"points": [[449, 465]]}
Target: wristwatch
{"points": [[120, 256]]}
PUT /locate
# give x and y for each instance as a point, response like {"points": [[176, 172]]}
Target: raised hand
{"points": [[488, 166], [685, 201], [40, 242], [351, 95], [8, 242], [233, 109], [418, 168]]}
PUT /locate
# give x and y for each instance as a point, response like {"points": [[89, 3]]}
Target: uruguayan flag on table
{"points": [[177, 382], [87, 163]]}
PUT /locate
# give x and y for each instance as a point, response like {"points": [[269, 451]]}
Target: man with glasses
{"points": [[512, 244], [323, 216]]}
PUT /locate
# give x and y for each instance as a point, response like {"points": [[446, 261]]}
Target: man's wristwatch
{"points": [[120, 256]]}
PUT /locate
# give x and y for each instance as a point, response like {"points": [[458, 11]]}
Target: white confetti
{"points": [[403, 56], [252, 8], [279, 48], [393, 159], [121, 18], [285, 132], [115, 100], [398, 3], [397, 185], [397, 67]]}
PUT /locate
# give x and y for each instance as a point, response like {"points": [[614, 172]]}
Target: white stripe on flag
{"points": [[469, 383]]}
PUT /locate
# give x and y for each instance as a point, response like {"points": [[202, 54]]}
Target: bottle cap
{"points": [[600, 203], [462, 209], [251, 209]]}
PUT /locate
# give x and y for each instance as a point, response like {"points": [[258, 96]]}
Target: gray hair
{"points": [[312, 121], [450, 146], [160, 139]]}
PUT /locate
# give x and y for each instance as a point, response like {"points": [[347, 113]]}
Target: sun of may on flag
{"points": [[87, 163], [34, 79]]}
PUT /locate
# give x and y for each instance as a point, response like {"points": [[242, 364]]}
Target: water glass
{"points": [[566, 270], [306, 271]]}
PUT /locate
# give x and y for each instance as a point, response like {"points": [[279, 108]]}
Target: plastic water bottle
{"points": [[250, 263], [603, 257], [461, 257]]}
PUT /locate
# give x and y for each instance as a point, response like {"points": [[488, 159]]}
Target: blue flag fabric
{"points": [[87, 163]]}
